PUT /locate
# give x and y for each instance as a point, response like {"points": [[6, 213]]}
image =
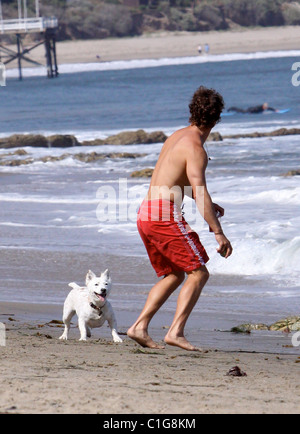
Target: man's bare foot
{"points": [[181, 342], [143, 339]]}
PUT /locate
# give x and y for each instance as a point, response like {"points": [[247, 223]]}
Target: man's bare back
{"points": [[182, 163], [170, 170]]}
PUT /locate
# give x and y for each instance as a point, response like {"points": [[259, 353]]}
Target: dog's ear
{"points": [[106, 273], [90, 275]]}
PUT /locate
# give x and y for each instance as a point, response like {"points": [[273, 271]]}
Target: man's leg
{"points": [[187, 299], [157, 297]]}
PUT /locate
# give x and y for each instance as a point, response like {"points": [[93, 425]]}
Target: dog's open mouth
{"points": [[101, 296]]}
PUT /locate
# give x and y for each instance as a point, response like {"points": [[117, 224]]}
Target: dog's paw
{"points": [[82, 339], [63, 338], [117, 339]]}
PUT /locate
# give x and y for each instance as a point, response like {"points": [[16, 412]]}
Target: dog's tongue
{"points": [[101, 298]]}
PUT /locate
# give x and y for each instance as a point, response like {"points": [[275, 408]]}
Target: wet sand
{"points": [[40, 374]]}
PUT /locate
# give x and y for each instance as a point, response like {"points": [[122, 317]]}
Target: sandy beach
{"points": [[40, 374], [51, 237], [170, 44]]}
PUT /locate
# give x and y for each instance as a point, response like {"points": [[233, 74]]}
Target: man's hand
{"points": [[225, 249], [220, 209]]}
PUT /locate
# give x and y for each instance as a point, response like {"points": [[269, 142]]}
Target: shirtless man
{"points": [[173, 247]]}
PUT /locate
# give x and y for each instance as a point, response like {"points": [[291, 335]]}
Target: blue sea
{"points": [[50, 231]]}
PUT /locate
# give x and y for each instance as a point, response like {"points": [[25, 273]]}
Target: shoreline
{"points": [[43, 375], [210, 332], [172, 45]]}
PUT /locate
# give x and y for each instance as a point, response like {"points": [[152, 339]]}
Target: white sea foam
{"points": [[261, 257], [153, 63], [18, 198]]}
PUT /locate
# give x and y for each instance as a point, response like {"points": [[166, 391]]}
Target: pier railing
{"points": [[25, 25]]}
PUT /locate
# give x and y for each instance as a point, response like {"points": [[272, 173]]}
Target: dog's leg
{"points": [[88, 332], [67, 317], [113, 325], [83, 329], [116, 337]]}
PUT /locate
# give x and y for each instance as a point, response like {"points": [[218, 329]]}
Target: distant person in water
{"points": [[253, 110]]}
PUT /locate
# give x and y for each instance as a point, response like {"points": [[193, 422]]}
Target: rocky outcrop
{"points": [[125, 138], [62, 141], [130, 138], [68, 141], [144, 173], [215, 137], [22, 140], [94, 156], [38, 141], [85, 158], [14, 163], [292, 173], [276, 133], [290, 324]]}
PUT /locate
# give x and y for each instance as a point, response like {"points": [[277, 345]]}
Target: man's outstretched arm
{"points": [[196, 165]]}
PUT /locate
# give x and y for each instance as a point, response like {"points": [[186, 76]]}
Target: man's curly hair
{"points": [[206, 107]]}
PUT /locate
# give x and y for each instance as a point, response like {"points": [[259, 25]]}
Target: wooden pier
{"points": [[47, 27]]}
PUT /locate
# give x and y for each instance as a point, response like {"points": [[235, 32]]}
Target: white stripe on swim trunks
{"points": [[186, 235]]}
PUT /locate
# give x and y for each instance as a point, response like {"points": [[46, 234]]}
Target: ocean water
{"points": [[68, 207]]}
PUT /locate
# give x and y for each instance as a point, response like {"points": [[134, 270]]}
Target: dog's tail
{"points": [[74, 285]]}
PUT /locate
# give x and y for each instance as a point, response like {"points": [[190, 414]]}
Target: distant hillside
{"points": [[88, 19]]}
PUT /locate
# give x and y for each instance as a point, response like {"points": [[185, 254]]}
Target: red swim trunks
{"points": [[170, 243]]}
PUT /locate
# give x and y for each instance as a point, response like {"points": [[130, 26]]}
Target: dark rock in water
{"points": [[129, 138], [88, 158], [292, 173], [61, 141], [94, 156], [276, 133], [291, 323], [135, 137], [285, 132], [22, 140], [144, 173], [215, 137], [85, 158], [20, 152], [248, 328], [96, 142], [38, 141], [157, 137], [124, 138], [15, 163], [139, 137], [52, 159]]}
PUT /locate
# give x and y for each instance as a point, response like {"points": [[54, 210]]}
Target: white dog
{"points": [[91, 306]]}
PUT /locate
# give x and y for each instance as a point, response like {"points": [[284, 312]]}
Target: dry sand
{"points": [[169, 44], [40, 374]]}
